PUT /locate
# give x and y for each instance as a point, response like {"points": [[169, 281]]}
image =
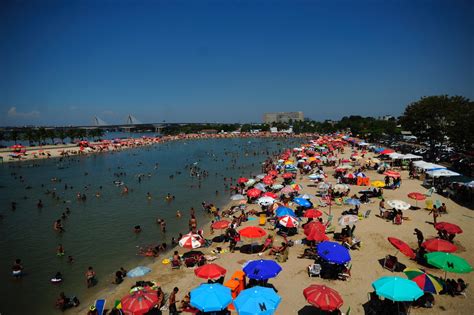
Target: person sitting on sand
{"points": [[268, 243], [176, 261], [92, 310], [186, 301], [278, 249], [161, 297]]}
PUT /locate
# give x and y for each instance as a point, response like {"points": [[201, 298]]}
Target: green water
{"points": [[99, 230]]}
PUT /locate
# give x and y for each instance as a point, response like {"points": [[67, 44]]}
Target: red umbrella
{"points": [[402, 247], [392, 174], [288, 221], [268, 180], [252, 232], [287, 175], [317, 236], [323, 297], [242, 180], [210, 271], [438, 245], [271, 195], [448, 227], [312, 226], [253, 193], [273, 173], [220, 225], [386, 151], [312, 213], [416, 196], [139, 302]]}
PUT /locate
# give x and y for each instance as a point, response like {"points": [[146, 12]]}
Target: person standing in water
{"points": [[17, 268]]}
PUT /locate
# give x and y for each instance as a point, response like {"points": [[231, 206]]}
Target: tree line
{"points": [[42, 135]]}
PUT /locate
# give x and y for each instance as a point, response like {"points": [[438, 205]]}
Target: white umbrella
{"points": [[277, 186], [260, 176], [442, 173], [250, 182], [237, 197], [316, 176], [260, 186], [191, 240], [341, 187], [324, 186], [288, 221], [345, 166], [348, 219], [265, 201], [399, 204], [306, 196]]}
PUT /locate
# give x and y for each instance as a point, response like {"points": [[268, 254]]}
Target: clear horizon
{"points": [[62, 63]]}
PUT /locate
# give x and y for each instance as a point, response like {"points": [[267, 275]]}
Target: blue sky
{"points": [[63, 62]]}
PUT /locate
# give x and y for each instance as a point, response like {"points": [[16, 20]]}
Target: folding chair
{"points": [[314, 270], [390, 263]]}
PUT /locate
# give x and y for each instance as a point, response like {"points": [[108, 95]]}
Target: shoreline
{"points": [[47, 152]]}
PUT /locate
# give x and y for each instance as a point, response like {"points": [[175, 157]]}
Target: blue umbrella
{"points": [[333, 252], [262, 269], [211, 297], [302, 202], [138, 272], [282, 211], [353, 201], [257, 301]]}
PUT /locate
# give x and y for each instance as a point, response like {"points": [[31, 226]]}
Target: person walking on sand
{"points": [[172, 302], [419, 236], [434, 211]]}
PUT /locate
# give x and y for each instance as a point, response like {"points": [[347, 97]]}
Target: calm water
{"points": [[99, 230]]}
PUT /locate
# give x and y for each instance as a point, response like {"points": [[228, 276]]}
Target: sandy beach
{"points": [[373, 232]]}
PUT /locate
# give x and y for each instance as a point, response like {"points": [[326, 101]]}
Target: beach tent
{"points": [[396, 156], [442, 173], [426, 166], [410, 156]]}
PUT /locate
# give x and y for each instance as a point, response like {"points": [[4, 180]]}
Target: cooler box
{"points": [[234, 287], [240, 277]]}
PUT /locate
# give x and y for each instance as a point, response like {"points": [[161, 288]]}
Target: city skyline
{"points": [[64, 63]]}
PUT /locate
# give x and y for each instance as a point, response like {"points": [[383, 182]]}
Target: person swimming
{"points": [[60, 250], [58, 226], [17, 268], [137, 229], [57, 278], [178, 214]]}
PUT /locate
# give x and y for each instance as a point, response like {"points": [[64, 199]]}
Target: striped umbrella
{"points": [[139, 302], [191, 240], [323, 297], [288, 221], [425, 281]]}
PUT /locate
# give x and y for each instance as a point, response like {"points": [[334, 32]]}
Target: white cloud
{"points": [[12, 112]]}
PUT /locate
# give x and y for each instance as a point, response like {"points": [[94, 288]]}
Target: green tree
{"points": [[14, 135], [61, 134], [436, 119], [50, 134], [29, 135]]}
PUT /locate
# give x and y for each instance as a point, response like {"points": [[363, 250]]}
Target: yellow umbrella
{"points": [[377, 184]]}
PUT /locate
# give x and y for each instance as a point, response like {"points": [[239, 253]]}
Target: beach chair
{"points": [[314, 270], [430, 191], [390, 263], [262, 220], [346, 274], [438, 203], [367, 214], [429, 204]]}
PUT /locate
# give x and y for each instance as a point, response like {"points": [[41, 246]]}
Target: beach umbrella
{"points": [[439, 245], [261, 176], [253, 193], [399, 204], [210, 271], [287, 190], [403, 247], [252, 232], [302, 202], [323, 186], [323, 297], [260, 186], [250, 182], [288, 221], [287, 175], [268, 180], [191, 240], [314, 226], [220, 225], [262, 269], [312, 213], [273, 173], [448, 262], [237, 197], [425, 281], [265, 201], [416, 196], [139, 271], [283, 211], [397, 289], [257, 301], [350, 176], [392, 174], [348, 219], [341, 187], [211, 297], [271, 195], [296, 187], [450, 228], [138, 303], [306, 196], [353, 201], [316, 176], [277, 186], [377, 184], [386, 151], [316, 235], [333, 252]]}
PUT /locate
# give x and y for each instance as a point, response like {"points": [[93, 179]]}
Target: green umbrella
{"points": [[397, 289], [448, 262]]}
